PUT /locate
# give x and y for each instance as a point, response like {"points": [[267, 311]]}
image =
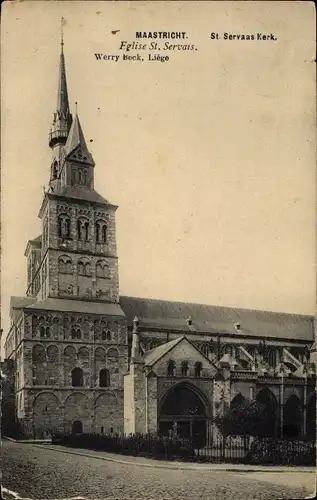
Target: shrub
{"points": [[273, 451], [146, 445]]}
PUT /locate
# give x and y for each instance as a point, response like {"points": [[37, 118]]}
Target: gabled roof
{"points": [[155, 354], [76, 140], [171, 315]]}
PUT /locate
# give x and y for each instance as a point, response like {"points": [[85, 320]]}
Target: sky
{"points": [[210, 155]]}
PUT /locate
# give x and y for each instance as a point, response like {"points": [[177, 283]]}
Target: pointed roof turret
{"points": [[62, 117], [76, 146], [62, 94]]}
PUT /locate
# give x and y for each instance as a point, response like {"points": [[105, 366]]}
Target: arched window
{"points": [[67, 228], [104, 378], [81, 268], [253, 351], [97, 232], [68, 264], [65, 265], [272, 358], [76, 334], [104, 234], [171, 368], [79, 230], [86, 231], [82, 229], [101, 231], [207, 350], [42, 331], [77, 377], [106, 335], [184, 368], [102, 269], [198, 369], [64, 226], [47, 332], [87, 269]]}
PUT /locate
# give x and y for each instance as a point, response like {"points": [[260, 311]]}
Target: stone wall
{"points": [[87, 283]]}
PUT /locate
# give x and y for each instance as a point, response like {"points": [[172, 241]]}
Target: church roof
{"points": [[76, 306], [17, 303], [155, 354], [37, 240], [80, 193], [76, 139], [62, 93], [171, 315]]}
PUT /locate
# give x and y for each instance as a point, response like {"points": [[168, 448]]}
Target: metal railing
{"points": [[232, 449]]}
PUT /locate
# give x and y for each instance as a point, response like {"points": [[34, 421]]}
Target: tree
{"points": [[244, 419]]}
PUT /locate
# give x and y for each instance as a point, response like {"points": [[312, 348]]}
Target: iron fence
{"points": [[233, 449]]}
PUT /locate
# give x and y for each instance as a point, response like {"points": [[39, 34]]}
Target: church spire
{"points": [[62, 118], [76, 145]]}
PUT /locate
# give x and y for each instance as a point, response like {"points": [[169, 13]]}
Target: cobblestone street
{"points": [[39, 473]]}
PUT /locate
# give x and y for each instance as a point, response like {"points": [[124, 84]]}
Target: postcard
{"points": [[158, 250]]}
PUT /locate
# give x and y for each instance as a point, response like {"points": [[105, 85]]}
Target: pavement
{"points": [[148, 462], [41, 472]]}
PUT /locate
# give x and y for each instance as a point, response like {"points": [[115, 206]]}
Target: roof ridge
{"points": [[232, 308]]}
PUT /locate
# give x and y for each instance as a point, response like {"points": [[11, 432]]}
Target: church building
{"points": [[85, 359]]}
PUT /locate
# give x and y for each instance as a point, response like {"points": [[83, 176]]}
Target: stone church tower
{"points": [[71, 333]]}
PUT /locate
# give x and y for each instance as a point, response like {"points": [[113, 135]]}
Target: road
{"points": [[39, 473]]}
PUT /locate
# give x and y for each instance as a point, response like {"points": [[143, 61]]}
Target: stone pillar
{"points": [[135, 353], [134, 388], [251, 393]]}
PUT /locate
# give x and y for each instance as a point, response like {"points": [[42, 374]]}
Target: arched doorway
{"points": [[268, 423], [77, 427], [184, 410], [292, 417]]}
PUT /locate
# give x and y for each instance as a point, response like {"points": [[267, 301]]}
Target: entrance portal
{"points": [[184, 412]]}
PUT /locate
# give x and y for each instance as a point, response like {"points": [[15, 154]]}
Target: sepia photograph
{"points": [[158, 250]]}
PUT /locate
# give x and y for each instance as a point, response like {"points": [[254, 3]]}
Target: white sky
{"points": [[210, 156]]}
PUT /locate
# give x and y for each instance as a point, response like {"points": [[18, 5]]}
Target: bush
{"points": [[145, 445], [273, 451]]}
